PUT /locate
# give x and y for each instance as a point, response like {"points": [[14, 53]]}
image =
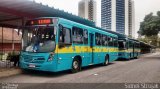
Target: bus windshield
{"points": [[122, 45], [39, 39]]}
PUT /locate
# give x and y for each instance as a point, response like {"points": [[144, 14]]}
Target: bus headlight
{"points": [[50, 58]]}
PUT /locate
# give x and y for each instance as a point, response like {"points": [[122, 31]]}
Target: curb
{"points": [[10, 72]]}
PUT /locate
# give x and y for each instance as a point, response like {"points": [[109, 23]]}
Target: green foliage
{"points": [[152, 40], [158, 13], [151, 25]]}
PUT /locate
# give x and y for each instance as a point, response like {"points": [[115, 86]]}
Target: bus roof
{"points": [[93, 27]]}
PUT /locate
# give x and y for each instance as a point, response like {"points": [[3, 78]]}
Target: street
{"points": [[146, 69]]}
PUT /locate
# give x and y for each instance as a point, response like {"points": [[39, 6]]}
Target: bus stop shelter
{"points": [[14, 13]]}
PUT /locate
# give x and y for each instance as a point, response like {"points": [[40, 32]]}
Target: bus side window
{"points": [[98, 39], [85, 34], [110, 41], [65, 35], [130, 44], [127, 45], [104, 41], [77, 35], [115, 42]]}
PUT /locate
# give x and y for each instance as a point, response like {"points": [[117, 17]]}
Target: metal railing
{"points": [[9, 58]]}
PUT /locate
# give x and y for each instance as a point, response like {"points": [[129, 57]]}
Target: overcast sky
{"points": [[142, 7]]}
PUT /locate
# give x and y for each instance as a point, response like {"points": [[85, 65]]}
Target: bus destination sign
{"points": [[41, 22]]}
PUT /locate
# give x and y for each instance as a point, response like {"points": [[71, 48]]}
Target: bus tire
{"points": [[106, 62], [75, 65]]}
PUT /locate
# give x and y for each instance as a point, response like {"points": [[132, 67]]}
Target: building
{"points": [[108, 14], [122, 16], [9, 40], [87, 9], [131, 27], [115, 15]]}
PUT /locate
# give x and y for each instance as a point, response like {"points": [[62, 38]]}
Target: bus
{"points": [[136, 49], [128, 48], [56, 44]]}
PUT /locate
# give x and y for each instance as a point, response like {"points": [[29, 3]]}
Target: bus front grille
{"points": [[28, 58]]}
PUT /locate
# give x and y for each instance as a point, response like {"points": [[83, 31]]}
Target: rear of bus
{"points": [[123, 49]]}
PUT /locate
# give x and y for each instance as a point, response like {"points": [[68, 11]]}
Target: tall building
{"points": [[115, 15], [108, 14], [88, 9], [122, 16], [131, 27]]}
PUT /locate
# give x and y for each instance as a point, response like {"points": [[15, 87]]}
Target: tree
{"points": [[151, 25], [150, 29], [158, 13]]}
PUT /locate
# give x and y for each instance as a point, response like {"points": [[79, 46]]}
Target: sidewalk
{"points": [[148, 54], [5, 72], [7, 69]]}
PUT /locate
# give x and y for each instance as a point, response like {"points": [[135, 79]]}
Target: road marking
{"points": [[95, 74]]}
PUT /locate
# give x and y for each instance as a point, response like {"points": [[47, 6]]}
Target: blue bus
{"points": [[128, 48], [136, 49], [56, 44]]}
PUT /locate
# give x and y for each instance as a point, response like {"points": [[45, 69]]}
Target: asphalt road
{"points": [[146, 69]]}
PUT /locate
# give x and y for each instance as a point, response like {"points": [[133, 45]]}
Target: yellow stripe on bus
{"points": [[82, 49]]}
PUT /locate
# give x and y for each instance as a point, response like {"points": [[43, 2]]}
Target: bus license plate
{"points": [[32, 66]]}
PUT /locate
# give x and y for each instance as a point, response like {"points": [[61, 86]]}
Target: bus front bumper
{"points": [[47, 66]]}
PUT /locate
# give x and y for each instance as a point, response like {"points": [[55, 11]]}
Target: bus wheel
{"points": [[75, 66], [106, 62]]}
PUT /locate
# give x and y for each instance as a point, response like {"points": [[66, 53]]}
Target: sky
{"points": [[142, 8]]}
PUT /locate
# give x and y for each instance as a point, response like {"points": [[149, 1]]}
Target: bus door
{"points": [[91, 38], [133, 49]]}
